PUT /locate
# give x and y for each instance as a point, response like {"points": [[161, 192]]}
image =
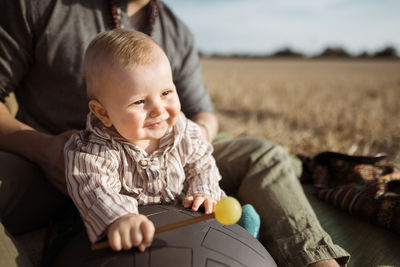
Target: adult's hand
{"points": [[52, 162], [45, 150], [208, 123]]}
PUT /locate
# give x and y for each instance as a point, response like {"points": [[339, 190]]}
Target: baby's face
{"points": [[141, 100]]}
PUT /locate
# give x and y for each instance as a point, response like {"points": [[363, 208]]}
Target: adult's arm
{"points": [[17, 35], [209, 124], [179, 45], [43, 149], [196, 101]]}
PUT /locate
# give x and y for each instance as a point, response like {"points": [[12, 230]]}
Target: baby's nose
{"points": [[156, 111]]}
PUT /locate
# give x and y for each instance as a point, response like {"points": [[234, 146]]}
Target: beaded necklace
{"points": [[116, 16]]}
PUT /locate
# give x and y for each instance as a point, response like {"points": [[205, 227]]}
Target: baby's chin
{"points": [[156, 132]]}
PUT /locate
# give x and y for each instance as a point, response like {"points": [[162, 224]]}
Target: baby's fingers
{"points": [[148, 229], [142, 247], [114, 240], [209, 205], [136, 236], [198, 201], [188, 201]]}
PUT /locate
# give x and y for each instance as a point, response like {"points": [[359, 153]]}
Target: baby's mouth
{"points": [[153, 123]]}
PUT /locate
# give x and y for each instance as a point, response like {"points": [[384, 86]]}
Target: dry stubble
{"points": [[309, 106]]}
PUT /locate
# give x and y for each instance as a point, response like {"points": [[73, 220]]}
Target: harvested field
{"points": [[308, 106]]}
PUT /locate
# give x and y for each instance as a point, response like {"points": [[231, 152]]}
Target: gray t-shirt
{"points": [[42, 44]]}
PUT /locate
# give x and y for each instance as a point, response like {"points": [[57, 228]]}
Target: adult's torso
{"points": [[52, 96]]}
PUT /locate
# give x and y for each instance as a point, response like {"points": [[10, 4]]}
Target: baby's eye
{"points": [[166, 93], [138, 102]]}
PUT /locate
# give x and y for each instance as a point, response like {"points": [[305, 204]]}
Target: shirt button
{"points": [[143, 163]]}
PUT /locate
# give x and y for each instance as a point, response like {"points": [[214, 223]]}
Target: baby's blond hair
{"points": [[115, 47]]}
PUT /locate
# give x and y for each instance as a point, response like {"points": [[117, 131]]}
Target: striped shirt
{"points": [[108, 177]]}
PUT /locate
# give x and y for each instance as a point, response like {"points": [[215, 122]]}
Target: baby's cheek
{"points": [[175, 104]]}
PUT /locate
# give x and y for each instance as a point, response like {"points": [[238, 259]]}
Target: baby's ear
{"points": [[100, 112]]}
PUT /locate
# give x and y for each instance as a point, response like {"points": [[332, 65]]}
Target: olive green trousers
{"points": [[254, 170]]}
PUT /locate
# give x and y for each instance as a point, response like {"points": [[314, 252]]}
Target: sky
{"points": [[306, 26]]}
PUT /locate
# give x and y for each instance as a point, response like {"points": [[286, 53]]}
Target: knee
{"points": [[267, 155], [250, 150], [261, 148]]}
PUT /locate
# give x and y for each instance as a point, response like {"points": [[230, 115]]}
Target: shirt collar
{"points": [[172, 137]]}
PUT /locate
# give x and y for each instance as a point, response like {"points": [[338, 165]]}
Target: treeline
{"points": [[388, 52]]}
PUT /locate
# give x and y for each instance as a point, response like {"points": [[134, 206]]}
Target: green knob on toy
{"points": [[228, 211]]}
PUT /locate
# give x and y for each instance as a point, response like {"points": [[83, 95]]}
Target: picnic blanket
{"points": [[357, 184]]}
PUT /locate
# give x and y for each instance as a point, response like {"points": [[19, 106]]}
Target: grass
{"points": [[309, 106]]}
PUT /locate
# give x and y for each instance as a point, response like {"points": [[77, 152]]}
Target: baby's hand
{"points": [[131, 230], [197, 200]]}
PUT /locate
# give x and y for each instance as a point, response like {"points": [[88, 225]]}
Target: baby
{"points": [[137, 148]]}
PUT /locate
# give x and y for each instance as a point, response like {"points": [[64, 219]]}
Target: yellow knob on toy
{"points": [[228, 211]]}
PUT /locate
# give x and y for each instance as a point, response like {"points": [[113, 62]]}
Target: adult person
{"points": [[41, 52]]}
